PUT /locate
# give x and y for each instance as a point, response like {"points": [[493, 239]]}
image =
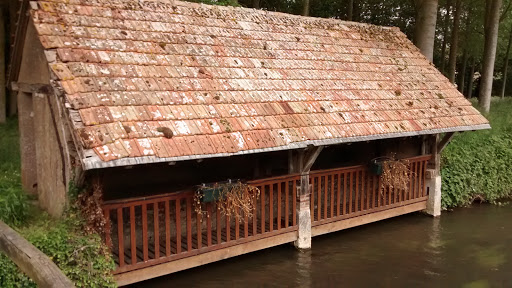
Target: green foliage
{"points": [[478, 164], [13, 202], [82, 257]]}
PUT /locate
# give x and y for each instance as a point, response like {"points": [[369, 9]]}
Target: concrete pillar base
{"points": [[434, 198], [303, 241]]}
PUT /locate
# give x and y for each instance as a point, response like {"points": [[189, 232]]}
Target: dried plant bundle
{"points": [[395, 175], [234, 200]]}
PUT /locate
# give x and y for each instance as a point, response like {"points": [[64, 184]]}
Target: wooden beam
{"points": [[31, 88], [203, 258], [446, 139], [30, 260], [368, 218], [310, 157]]}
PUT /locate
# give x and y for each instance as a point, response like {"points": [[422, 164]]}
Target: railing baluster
{"points": [[294, 203], [325, 193], [350, 210], [133, 240], [279, 184], [263, 206], [357, 191], [237, 223], [345, 182], [255, 215], [379, 192], [120, 235], [145, 232], [219, 227], [157, 229], [332, 195], [418, 169], [286, 204], [319, 198], [209, 224], [178, 226], [189, 224], [228, 228], [271, 206], [199, 232], [411, 179], [421, 178], [366, 181], [246, 225], [312, 198], [167, 229], [339, 195]]}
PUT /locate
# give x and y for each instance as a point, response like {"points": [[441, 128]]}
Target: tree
{"points": [[350, 11], [3, 108], [305, 7], [425, 29], [491, 27], [505, 66], [446, 23], [452, 63]]}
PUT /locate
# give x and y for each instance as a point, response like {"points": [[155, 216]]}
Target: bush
{"points": [[81, 256], [478, 164]]}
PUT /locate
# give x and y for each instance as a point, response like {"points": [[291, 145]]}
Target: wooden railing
{"points": [[353, 191], [147, 231]]}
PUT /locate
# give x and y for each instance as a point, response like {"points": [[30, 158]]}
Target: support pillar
{"points": [[433, 179], [304, 214], [302, 162]]}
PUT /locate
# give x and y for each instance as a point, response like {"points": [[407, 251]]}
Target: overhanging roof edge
{"points": [[95, 162]]}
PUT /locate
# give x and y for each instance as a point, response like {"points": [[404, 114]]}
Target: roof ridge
{"points": [[276, 13]]}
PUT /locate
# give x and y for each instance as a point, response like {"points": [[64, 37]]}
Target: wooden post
{"points": [[30, 260], [27, 143], [433, 181], [301, 162]]}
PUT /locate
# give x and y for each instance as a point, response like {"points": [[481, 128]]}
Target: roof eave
{"points": [[94, 162]]}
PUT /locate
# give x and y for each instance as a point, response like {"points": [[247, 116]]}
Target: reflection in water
{"points": [[470, 247], [303, 279]]}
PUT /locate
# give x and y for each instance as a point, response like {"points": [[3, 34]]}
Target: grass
{"points": [[478, 164], [82, 257]]}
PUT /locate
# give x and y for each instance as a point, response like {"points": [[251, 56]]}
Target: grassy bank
{"points": [[477, 165], [82, 257]]}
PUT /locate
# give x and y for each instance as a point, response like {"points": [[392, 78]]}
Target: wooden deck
{"points": [[162, 234]]}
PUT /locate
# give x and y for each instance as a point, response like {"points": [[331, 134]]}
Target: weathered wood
{"points": [[30, 260], [444, 142], [31, 88], [201, 259], [368, 218]]}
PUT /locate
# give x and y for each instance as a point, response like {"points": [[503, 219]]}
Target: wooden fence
{"points": [[144, 232]]}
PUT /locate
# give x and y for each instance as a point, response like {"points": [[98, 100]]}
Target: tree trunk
{"points": [[445, 35], [305, 8], [505, 66], [350, 12], [425, 29], [492, 17], [452, 62], [471, 78], [3, 108], [256, 4], [462, 79]]}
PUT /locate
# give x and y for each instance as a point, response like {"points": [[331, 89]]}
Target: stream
{"points": [[469, 248]]}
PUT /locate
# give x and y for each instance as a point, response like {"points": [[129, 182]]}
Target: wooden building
{"points": [[152, 98]]}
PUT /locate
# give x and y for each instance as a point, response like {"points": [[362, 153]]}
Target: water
{"points": [[469, 248]]}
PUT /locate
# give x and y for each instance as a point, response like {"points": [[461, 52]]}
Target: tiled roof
{"points": [[151, 81]]}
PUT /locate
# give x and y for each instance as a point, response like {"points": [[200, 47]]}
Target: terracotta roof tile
{"points": [[229, 80]]}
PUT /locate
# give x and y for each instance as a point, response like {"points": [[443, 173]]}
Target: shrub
{"points": [[82, 257], [478, 164]]}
